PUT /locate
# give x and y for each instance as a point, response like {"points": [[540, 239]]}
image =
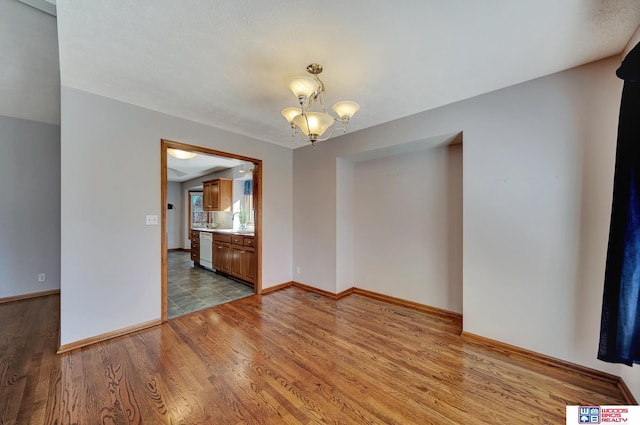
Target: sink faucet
{"points": [[232, 217]]}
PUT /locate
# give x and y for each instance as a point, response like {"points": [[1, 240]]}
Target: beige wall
{"points": [[29, 151], [110, 266], [408, 226], [538, 168], [29, 206]]}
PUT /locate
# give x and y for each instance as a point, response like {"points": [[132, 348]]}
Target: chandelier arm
{"points": [[295, 133], [302, 136], [307, 139], [306, 104], [317, 95], [344, 129], [321, 84], [322, 106]]}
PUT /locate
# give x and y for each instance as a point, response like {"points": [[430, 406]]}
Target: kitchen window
{"points": [[248, 202], [197, 214]]}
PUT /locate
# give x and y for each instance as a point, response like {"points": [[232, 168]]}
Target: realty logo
{"points": [[588, 414]]}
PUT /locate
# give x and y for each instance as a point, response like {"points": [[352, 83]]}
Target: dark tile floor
{"points": [[194, 288]]}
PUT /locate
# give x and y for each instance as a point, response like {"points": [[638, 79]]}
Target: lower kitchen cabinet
{"points": [[234, 255], [222, 253], [250, 265], [236, 260], [195, 246], [243, 258], [243, 263]]}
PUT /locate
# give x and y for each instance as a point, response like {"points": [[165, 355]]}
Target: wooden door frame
{"points": [[257, 205]]}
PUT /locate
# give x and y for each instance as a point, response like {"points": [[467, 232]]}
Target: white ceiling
{"points": [[47, 6], [227, 63], [181, 170]]}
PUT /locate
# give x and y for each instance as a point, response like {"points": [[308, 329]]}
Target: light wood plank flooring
{"points": [[282, 358]]}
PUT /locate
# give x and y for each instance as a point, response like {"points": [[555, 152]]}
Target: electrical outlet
{"points": [[298, 269], [42, 277], [152, 220]]}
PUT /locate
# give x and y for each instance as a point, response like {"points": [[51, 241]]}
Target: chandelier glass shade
{"points": [[311, 120], [290, 113], [313, 124], [303, 86]]}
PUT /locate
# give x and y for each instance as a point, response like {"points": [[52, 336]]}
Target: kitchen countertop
{"points": [[225, 231]]}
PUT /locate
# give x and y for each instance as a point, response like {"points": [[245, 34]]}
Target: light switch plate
{"points": [[152, 220]]}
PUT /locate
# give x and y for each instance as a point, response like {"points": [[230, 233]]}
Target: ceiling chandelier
{"points": [[311, 119], [177, 153]]}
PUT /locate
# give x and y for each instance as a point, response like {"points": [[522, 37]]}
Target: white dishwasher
{"points": [[206, 247]]}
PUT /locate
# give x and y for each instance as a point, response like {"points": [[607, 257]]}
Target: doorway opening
{"points": [[235, 225]]}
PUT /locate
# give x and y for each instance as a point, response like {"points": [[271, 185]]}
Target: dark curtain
{"points": [[620, 323]]}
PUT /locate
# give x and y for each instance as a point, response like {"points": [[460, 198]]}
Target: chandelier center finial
{"points": [[314, 68]]}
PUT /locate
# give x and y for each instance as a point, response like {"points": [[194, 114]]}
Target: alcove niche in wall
{"points": [[399, 221]]}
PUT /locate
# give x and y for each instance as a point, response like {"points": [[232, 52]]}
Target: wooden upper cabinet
{"points": [[217, 195]]}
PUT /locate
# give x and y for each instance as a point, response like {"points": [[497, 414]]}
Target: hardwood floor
{"points": [[282, 358]]}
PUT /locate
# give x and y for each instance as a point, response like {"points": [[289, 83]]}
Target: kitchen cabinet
{"points": [[249, 265], [217, 194], [236, 260], [195, 246], [233, 255], [243, 258], [222, 253]]}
